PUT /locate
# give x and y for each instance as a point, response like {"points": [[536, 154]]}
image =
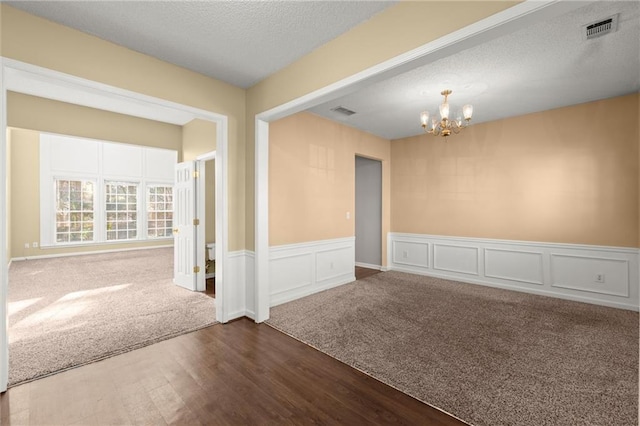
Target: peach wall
{"points": [[568, 175], [392, 32], [312, 179]]}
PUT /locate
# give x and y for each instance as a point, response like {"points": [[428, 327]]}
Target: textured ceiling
{"points": [[240, 42], [544, 66]]}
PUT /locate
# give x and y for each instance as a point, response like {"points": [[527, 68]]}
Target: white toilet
{"points": [[211, 251]]}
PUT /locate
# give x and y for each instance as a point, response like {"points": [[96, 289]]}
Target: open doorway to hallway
{"points": [[368, 217]]}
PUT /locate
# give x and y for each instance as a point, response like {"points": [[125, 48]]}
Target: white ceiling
{"points": [[240, 42], [544, 66]]}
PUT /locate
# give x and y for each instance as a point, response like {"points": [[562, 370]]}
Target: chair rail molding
{"points": [[602, 275]]}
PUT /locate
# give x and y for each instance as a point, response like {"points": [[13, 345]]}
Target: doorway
{"points": [[368, 216], [36, 81]]}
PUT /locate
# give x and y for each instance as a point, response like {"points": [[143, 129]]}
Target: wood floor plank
{"points": [[238, 373]]}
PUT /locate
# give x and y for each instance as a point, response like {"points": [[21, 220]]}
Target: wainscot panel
{"points": [[592, 274], [237, 274], [298, 270], [452, 258]]}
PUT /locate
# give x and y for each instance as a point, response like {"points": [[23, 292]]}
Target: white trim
{"points": [[369, 266], [206, 156], [4, 271], [34, 80], [86, 253], [311, 244], [523, 243], [38, 81], [529, 267], [261, 283], [576, 298], [501, 23]]}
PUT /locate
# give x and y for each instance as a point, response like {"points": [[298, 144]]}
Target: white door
{"points": [[184, 229]]}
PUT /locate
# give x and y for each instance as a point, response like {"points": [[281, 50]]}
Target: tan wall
{"points": [[34, 115], [199, 137], [398, 29], [210, 201], [568, 175], [312, 178], [8, 196], [37, 41], [31, 112]]}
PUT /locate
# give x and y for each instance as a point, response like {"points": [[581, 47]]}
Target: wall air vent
{"points": [[601, 27], [342, 110]]}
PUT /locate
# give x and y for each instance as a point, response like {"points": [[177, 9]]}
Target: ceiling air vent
{"points": [[342, 110], [601, 27]]}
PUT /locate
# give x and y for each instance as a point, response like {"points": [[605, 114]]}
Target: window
{"points": [[97, 192], [121, 202], [159, 211], [74, 210]]}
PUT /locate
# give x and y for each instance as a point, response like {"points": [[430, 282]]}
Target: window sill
{"points": [[104, 243]]}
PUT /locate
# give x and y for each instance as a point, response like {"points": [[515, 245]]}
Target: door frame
{"points": [[201, 188], [501, 23], [33, 80]]}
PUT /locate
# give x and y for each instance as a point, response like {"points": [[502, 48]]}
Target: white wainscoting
{"points": [[240, 274], [298, 270], [594, 274]]}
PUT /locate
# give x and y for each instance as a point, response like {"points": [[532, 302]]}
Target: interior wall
{"points": [[8, 195], [568, 175], [37, 41], [46, 115], [199, 137], [312, 178], [394, 31], [30, 115], [368, 212]]}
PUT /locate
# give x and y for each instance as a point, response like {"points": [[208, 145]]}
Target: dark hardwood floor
{"points": [[362, 273], [210, 289], [238, 373]]}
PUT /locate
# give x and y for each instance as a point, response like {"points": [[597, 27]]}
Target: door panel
{"points": [[184, 230]]}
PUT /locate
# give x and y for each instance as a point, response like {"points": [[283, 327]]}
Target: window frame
{"points": [[54, 211], [147, 211], [103, 206]]}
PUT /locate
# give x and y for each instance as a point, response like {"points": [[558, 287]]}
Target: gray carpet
{"points": [[69, 311], [488, 356]]}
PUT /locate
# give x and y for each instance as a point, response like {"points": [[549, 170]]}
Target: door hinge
{"points": [[196, 174], [196, 269], [196, 222]]}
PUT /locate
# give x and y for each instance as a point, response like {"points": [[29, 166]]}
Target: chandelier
{"points": [[445, 126]]}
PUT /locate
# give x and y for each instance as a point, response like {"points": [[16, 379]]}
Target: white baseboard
{"points": [[567, 271], [298, 270], [86, 253], [369, 266], [212, 275]]}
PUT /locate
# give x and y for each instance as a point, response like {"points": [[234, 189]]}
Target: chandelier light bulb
{"points": [[424, 118], [467, 111], [444, 110]]}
